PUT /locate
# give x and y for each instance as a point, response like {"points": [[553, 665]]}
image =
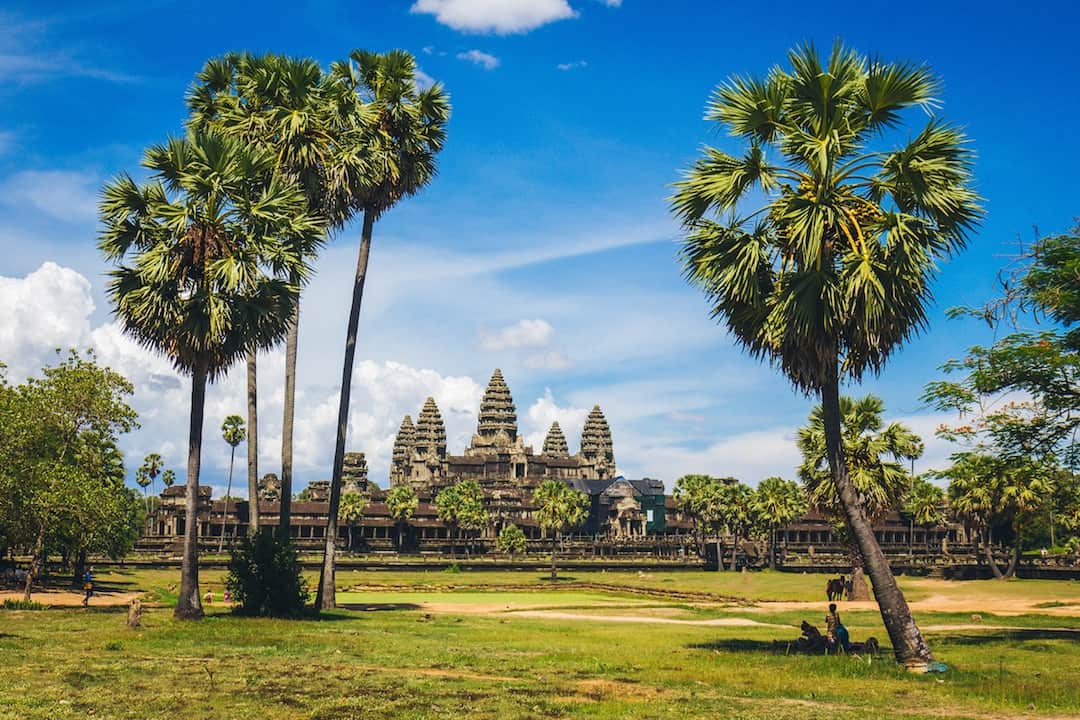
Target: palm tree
{"points": [[924, 505], [511, 540], [777, 502], [987, 490], [153, 463], [448, 506], [168, 478], [398, 145], [832, 273], [203, 285], [736, 511], [559, 507], [280, 105], [232, 431], [401, 503], [880, 483], [702, 497], [142, 479], [351, 511]]}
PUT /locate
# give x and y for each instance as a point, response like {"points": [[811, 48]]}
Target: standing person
{"points": [[835, 632], [88, 586]]}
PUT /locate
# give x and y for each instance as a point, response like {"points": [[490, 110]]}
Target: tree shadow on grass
{"points": [[377, 607], [739, 645], [993, 636]]}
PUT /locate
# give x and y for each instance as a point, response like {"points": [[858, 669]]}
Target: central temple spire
{"points": [[497, 411]]}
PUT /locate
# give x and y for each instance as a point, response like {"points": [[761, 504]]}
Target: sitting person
{"points": [[835, 632]]}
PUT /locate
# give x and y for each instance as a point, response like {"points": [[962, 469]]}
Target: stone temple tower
{"points": [[555, 442], [429, 448], [354, 473], [597, 450], [496, 429], [401, 462]]}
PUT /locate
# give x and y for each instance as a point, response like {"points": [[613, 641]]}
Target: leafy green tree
{"points": [[233, 433], [925, 504], [266, 577], [461, 507], [875, 456], [559, 508], [404, 131], [401, 503], [202, 283], [778, 502], [61, 474], [832, 273], [703, 497], [351, 511], [511, 540], [989, 489]]}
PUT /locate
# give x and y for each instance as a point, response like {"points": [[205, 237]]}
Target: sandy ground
{"points": [[725, 622], [935, 603]]}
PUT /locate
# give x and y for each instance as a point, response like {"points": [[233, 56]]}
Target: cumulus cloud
{"points": [[548, 361], [46, 310], [544, 411], [503, 17], [61, 194], [522, 334], [478, 57], [572, 65]]}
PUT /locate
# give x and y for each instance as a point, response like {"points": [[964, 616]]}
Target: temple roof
{"points": [[555, 442], [497, 411]]}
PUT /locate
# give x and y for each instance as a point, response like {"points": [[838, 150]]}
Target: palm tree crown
{"points": [[835, 264], [203, 234], [232, 430], [873, 458]]}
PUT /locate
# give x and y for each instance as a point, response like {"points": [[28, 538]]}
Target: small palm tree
{"points": [[389, 140], [778, 502], [153, 463], [925, 504], [831, 273], [168, 478], [351, 511], [232, 431], [401, 503], [203, 285], [142, 479], [876, 461], [559, 507]]}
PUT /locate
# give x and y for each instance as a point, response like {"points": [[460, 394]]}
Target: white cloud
{"points": [[548, 361], [46, 310], [522, 334], [543, 412], [502, 17], [477, 57], [572, 65], [61, 194], [423, 80], [612, 3]]}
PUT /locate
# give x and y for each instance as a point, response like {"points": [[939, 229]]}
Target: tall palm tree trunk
{"points": [[988, 551], [285, 516], [188, 603], [253, 444], [228, 490], [772, 547], [908, 643], [554, 550], [325, 599]]}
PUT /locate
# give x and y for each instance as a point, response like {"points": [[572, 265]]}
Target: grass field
{"points": [[508, 645]]}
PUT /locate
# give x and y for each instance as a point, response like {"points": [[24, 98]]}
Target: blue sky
{"points": [[544, 246]]}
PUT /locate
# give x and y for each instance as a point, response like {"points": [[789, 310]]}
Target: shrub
{"points": [[453, 568], [265, 576], [13, 604]]}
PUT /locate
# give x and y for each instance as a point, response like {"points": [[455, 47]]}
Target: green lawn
{"points": [[398, 659]]}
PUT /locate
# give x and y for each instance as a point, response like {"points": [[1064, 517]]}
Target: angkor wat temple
{"points": [[626, 516]]}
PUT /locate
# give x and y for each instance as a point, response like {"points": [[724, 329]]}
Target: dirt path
{"points": [[723, 622], [58, 598]]}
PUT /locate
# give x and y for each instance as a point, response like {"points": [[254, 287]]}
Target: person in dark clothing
{"points": [[88, 586]]}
